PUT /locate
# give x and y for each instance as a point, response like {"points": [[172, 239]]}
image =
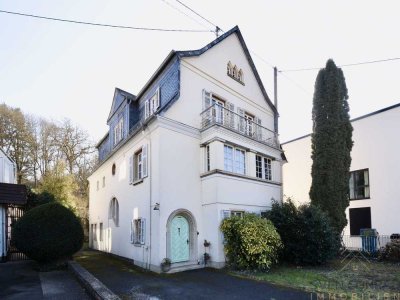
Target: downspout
{"points": [[150, 196]]}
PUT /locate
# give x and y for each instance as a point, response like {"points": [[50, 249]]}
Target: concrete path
{"points": [[130, 282], [18, 280]]}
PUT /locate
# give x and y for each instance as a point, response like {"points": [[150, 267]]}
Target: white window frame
{"points": [[237, 213], [266, 168], [217, 109], [119, 131], [152, 104], [138, 231], [113, 211], [234, 162], [249, 124]]}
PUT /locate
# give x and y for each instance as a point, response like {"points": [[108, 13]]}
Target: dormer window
{"points": [[234, 72], [119, 131], [151, 105]]}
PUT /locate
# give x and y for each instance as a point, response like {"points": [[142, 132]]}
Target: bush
{"points": [[47, 233], [306, 233], [250, 242], [36, 199], [391, 252]]}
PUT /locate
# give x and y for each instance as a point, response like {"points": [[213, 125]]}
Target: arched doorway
{"points": [[181, 237]]}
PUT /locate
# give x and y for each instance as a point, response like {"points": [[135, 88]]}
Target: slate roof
{"points": [[119, 97], [13, 193]]}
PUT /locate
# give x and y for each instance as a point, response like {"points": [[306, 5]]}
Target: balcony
{"points": [[219, 115]]}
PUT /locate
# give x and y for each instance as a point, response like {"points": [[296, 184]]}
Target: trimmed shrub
{"points": [[391, 252], [306, 233], [47, 233], [250, 242]]}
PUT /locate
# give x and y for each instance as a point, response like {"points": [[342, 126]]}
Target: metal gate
{"points": [[13, 214]]}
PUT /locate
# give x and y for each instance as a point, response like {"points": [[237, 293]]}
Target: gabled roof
{"points": [[190, 53], [246, 51], [13, 193], [119, 97], [5, 154]]}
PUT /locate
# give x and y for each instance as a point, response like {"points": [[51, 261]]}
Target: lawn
{"points": [[354, 277]]}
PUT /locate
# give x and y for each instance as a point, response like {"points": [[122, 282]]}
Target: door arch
{"points": [[181, 237]]}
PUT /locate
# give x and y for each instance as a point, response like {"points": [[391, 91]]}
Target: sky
{"points": [[60, 70]]}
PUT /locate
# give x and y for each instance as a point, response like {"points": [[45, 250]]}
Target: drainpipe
{"points": [[149, 166]]}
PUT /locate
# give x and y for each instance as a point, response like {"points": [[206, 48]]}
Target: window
{"points": [[229, 69], [113, 211], [138, 165], [119, 131], [95, 232], [97, 185], [360, 218], [138, 231], [151, 105], [359, 184], [101, 232], [217, 109], [259, 168], [104, 181], [263, 167], [249, 128], [234, 72], [92, 231], [240, 75], [113, 168], [234, 160], [235, 213], [208, 167]]}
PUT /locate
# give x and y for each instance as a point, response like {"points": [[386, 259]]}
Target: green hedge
{"points": [[250, 242], [47, 233], [306, 233]]}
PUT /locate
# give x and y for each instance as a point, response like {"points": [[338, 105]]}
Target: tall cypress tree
{"points": [[331, 145]]}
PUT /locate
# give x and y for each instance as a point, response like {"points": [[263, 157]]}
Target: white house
{"points": [[198, 143], [7, 176], [374, 200]]}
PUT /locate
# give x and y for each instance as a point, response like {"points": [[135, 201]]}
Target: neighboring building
{"points": [[197, 144], [375, 176], [12, 195]]}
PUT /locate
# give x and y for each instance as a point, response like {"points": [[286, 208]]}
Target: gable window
{"points": [[138, 231], [113, 211], [151, 105], [113, 168], [234, 72], [208, 167], [104, 181], [234, 160], [97, 185], [119, 131], [229, 69], [263, 167], [138, 165], [359, 184]]}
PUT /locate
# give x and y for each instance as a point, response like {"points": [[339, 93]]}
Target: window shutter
{"points": [[144, 161], [241, 119], [157, 99], [132, 231], [146, 109], [131, 168], [143, 231], [258, 128], [225, 214]]}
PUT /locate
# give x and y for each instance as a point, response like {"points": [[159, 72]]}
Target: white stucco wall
{"points": [[376, 147], [177, 179]]}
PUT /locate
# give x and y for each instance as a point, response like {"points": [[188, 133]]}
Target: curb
{"points": [[93, 286]]}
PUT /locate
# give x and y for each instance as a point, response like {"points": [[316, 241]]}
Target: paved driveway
{"points": [[129, 282], [19, 280]]}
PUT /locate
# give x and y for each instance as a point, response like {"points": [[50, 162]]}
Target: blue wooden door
{"points": [[179, 239]]}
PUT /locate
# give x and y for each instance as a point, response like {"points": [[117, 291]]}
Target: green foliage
{"points": [[331, 145], [36, 199], [250, 242], [48, 233], [306, 233], [391, 252]]}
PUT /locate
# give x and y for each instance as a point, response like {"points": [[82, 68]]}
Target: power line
{"points": [[308, 93], [101, 24], [180, 11], [183, 4], [345, 65]]}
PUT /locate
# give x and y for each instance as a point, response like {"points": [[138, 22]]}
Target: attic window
{"points": [[113, 169], [234, 72]]}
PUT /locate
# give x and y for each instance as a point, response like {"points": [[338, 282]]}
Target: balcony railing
{"points": [[219, 115]]}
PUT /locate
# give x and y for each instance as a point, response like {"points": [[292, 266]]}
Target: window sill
{"points": [[136, 182], [137, 244], [368, 198]]}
